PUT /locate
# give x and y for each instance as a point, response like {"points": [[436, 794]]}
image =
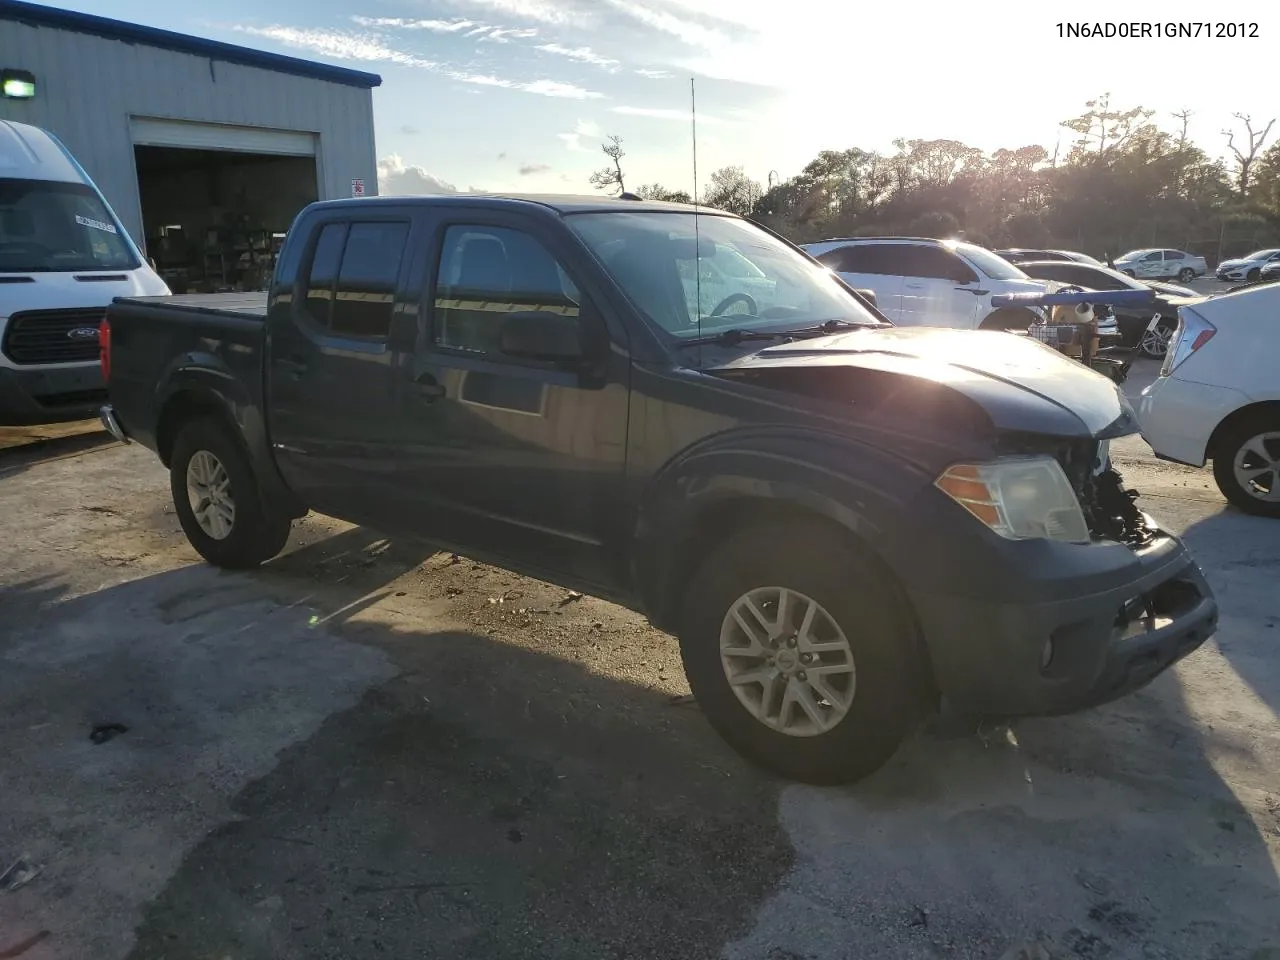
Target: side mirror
{"points": [[542, 335], [868, 295]]}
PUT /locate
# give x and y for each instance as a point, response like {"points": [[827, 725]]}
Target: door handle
{"points": [[914, 286], [292, 366], [427, 388], [976, 293]]}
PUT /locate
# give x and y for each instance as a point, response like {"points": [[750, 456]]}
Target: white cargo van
{"points": [[63, 257]]}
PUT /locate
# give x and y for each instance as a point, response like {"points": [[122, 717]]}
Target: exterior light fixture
{"points": [[17, 84]]}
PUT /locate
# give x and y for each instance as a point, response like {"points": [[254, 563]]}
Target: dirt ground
{"points": [[368, 749]]}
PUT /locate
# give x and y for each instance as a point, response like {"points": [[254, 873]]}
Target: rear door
{"points": [[522, 459], [939, 289], [331, 399], [874, 267]]}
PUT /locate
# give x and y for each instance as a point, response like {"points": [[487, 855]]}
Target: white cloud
{"points": [[507, 34], [401, 23], [346, 46], [686, 31], [664, 113], [339, 46], [532, 169], [653, 74], [544, 11], [585, 128], [580, 54], [398, 179]]}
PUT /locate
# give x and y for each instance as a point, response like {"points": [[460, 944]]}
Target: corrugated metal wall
{"points": [[88, 87]]}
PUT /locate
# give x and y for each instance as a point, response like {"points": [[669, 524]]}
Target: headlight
{"points": [[1020, 498]]}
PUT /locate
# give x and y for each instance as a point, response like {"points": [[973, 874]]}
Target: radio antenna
{"points": [[697, 238]]}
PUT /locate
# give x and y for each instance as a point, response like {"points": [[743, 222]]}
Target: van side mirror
{"points": [[542, 335]]}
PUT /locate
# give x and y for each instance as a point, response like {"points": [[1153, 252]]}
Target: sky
{"points": [[517, 95]]}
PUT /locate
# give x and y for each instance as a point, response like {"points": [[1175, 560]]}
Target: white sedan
{"points": [[1218, 397], [1162, 264]]}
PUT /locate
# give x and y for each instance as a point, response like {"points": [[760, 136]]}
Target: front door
{"points": [[331, 395], [524, 459], [939, 289], [1151, 266]]}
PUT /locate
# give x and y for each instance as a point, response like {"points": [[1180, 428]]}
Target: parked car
{"points": [[1248, 268], [937, 283], [1021, 255], [1270, 273], [63, 257], [843, 521], [1162, 264], [1218, 398], [1133, 321]]}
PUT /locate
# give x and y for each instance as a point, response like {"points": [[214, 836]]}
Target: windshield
{"points": [[997, 268], [735, 276], [1261, 254], [48, 226]]}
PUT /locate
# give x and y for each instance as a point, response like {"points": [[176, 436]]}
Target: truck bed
{"points": [[238, 305]]}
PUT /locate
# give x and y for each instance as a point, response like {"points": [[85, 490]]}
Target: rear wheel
{"points": [[1155, 343], [1246, 465], [798, 654], [218, 501], [1186, 274]]}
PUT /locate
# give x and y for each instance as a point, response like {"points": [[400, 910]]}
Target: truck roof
{"points": [[560, 203]]}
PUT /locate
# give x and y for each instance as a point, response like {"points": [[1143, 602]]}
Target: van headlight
{"points": [[1020, 498]]}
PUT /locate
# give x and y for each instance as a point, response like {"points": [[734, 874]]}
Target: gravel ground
{"points": [[368, 749]]}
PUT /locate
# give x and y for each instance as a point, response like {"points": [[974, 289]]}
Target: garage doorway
{"points": [[213, 219]]}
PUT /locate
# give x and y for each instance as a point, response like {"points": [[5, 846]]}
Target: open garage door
{"points": [[217, 199]]}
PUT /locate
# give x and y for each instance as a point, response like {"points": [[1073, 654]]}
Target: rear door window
{"points": [[353, 277]]}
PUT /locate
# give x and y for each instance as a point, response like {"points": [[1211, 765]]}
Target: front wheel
{"points": [[798, 655], [1128, 273], [1246, 466], [218, 501], [1155, 343], [1186, 275], [1253, 275]]}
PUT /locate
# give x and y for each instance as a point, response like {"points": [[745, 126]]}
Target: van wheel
{"points": [[217, 499], [1246, 465], [798, 655], [1186, 275]]}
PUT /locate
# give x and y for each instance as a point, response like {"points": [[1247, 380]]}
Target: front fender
{"points": [[864, 490]]}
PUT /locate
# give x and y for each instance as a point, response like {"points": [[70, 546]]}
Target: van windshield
{"points": [[53, 227]]}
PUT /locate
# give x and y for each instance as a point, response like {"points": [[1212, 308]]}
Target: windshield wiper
{"points": [[735, 336], [828, 326]]}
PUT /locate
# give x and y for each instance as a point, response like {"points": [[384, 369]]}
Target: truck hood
{"points": [[1021, 384]]}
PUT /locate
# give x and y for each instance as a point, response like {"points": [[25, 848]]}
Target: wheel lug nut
{"points": [[791, 641], [801, 676], [806, 658]]}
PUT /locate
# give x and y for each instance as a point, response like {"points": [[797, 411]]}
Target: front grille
{"points": [[52, 336]]}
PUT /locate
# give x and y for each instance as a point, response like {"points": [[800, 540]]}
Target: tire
{"points": [[1262, 432], [1128, 273], [1006, 319], [1253, 275], [1157, 346], [1186, 275], [254, 533], [885, 691]]}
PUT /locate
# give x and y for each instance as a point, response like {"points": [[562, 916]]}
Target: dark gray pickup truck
{"points": [[846, 523]]}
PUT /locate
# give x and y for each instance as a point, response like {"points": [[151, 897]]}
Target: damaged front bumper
{"points": [[1079, 647]]}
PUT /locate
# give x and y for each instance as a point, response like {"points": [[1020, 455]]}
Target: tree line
{"points": [[1123, 182]]}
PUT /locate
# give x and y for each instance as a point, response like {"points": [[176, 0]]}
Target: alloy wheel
{"points": [[209, 493], [788, 661], [1257, 466]]}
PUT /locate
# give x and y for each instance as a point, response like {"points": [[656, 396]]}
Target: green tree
{"points": [[732, 190], [656, 191]]}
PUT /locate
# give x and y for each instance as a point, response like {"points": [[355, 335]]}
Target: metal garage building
{"points": [[206, 150]]}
